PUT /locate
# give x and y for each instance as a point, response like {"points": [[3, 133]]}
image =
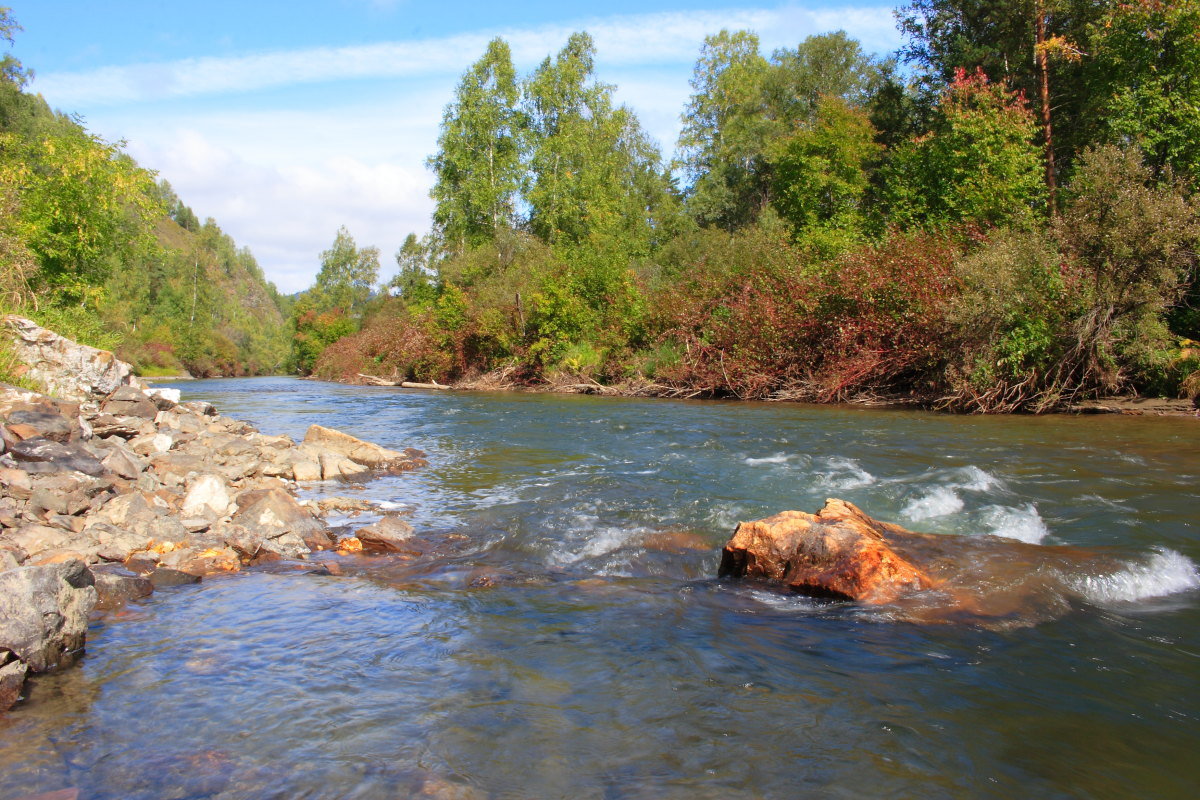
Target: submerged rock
{"points": [[839, 552]]}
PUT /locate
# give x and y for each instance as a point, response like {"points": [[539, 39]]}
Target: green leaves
{"points": [[477, 165]]}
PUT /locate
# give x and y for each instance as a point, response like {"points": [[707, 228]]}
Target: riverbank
{"points": [[574, 384], [110, 489]]}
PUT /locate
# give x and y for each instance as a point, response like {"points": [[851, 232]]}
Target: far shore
{"points": [[1127, 405]]}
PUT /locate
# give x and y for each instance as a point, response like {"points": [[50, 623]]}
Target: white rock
{"points": [[208, 497]]}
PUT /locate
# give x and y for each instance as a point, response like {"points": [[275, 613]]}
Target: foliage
{"points": [[478, 165], [978, 165], [1145, 57], [820, 171]]}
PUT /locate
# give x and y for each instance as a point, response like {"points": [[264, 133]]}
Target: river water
{"points": [[566, 636]]}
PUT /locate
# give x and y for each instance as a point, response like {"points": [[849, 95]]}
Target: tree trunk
{"points": [[1043, 64]]}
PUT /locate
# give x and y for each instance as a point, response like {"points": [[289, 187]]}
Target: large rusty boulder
{"points": [[839, 552]]}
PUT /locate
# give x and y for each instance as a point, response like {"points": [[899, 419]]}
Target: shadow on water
{"points": [[558, 632]]}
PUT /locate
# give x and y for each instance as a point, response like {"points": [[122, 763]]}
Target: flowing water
{"points": [[565, 636]]}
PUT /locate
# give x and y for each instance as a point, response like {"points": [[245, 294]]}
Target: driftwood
{"points": [[414, 385], [375, 380]]}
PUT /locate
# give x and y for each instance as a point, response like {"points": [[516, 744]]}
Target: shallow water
{"points": [[569, 640]]}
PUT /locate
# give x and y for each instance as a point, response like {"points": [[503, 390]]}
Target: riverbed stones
{"points": [[147, 491], [839, 552], [207, 497]]}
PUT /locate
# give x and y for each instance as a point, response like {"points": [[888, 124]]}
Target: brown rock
{"points": [[390, 533], [276, 513], [116, 586], [12, 678], [127, 401], [839, 552]]}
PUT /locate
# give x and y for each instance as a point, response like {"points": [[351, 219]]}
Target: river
{"points": [[570, 640]]}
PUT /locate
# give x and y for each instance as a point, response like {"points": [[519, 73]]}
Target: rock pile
{"points": [[105, 496]]}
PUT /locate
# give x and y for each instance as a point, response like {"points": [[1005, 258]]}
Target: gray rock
{"points": [[123, 462], [40, 450], [50, 424], [68, 370], [44, 612]]}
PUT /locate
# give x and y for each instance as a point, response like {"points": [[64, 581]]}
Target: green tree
{"points": [[83, 204], [978, 165], [597, 180], [724, 130], [820, 171], [1146, 63], [414, 280], [347, 275], [477, 166]]}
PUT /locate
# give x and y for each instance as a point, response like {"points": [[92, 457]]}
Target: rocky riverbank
{"points": [[109, 490]]}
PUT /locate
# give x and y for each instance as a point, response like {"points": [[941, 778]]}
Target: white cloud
{"points": [[640, 39], [283, 147]]}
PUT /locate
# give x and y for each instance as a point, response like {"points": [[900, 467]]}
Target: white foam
{"points": [[974, 479], [937, 502], [1023, 524], [845, 473], [1165, 572], [776, 459]]}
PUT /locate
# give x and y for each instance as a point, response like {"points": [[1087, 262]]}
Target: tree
{"points": [[414, 280], [820, 171], [1147, 80], [1015, 42], [347, 275], [978, 164], [724, 129], [596, 179], [83, 204], [478, 165]]}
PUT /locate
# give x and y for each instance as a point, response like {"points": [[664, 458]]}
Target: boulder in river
{"points": [[839, 552], [329, 441], [43, 616]]}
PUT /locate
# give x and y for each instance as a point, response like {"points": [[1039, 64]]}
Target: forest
{"points": [[93, 246], [1001, 216]]}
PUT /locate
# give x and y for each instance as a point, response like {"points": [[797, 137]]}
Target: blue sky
{"points": [[284, 120]]}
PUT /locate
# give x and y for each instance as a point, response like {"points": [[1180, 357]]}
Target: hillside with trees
{"points": [[93, 246], [1001, 217]]}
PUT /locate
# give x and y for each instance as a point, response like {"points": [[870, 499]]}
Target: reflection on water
{"points": [[567, 640]]}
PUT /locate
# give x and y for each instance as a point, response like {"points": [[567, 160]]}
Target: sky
{"points": [[286, 120]]}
